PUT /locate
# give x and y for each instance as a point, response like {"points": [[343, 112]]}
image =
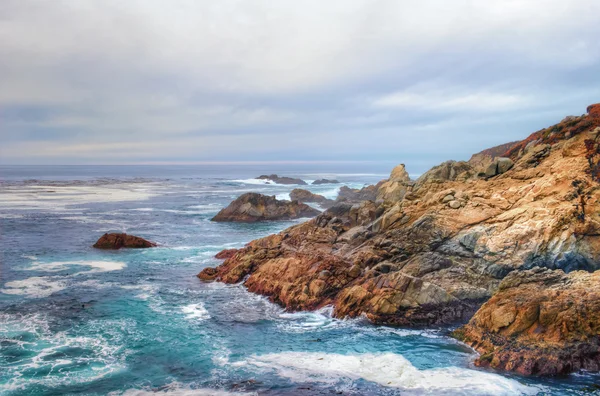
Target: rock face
{"points": [[395, 188], [434, 253], [118, 241], [539, 322], [301, 195], [282, 180], [594, 110], [325, 181], [367, 193], [253, 207]]}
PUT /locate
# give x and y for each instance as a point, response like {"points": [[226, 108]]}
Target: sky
{"points": [[373, 81]]}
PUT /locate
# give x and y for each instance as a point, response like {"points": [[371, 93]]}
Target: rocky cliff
{"points": [[432, 251]]}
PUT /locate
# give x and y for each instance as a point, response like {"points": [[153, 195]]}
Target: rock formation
{"points": [[282, 179], [118, 241], [325, 181], [539, 322], [434, 250], [367, 193], [301, 195], [253, 207]]}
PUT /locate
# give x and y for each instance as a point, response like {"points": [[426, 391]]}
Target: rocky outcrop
{"points": [[436, 252], [498, 166], [253, 207], [396, 187], [301, 195], [282, 179], [367, 193], [594, 110], [225, 254], [539, 322], [325, 181], [120, 240]]}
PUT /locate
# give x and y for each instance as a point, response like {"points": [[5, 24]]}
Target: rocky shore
{"points": [[509, 240]]}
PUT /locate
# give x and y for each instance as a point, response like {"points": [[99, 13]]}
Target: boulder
{"points": [[499, 166], [225, 254], [253, 207], [325, 181], [122, 240], [540, 322], [282, 180], [396, 187], [301, 195]]}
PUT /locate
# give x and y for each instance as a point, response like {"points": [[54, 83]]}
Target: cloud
{"points": [[392, 81]]}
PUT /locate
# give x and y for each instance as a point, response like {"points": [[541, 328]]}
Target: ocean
{"points": [[76, 320]]}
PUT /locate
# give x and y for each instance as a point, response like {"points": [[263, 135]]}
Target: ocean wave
{"points": [[34, 287], [387, 370], [177, 389], [195, 312], [61, 358], [96, 265]]}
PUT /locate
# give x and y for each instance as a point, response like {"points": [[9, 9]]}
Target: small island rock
{"points": [[253, 207], [122, 240]]}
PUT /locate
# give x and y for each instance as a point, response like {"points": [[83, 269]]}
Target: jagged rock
{"points": [[594, 110], [396, 187], [121, 240], [368, 193], [325, 181], [539, 322], [301, 195], [252, 207], [416, 261], [282, 180]]}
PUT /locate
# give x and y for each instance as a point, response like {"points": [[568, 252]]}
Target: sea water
{"points": [[76, 320]]}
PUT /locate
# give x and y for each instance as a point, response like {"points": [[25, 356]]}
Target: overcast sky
{"points": [[419, 82]]}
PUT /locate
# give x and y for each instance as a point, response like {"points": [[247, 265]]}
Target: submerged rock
{"points": [[253, 207], [325, 181], [121, 240], [282, 179], [540, 322]]}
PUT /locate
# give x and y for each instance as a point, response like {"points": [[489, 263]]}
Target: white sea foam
{"points": [[388, 370], [34, 287], [254, 181], [50, 352], [57, 198], [95, 265], [195, 312], [283, 197], [331, 194], [44, 286], [177, 389]]}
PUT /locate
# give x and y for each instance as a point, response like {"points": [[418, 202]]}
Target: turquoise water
{"points": [[75, 320]]}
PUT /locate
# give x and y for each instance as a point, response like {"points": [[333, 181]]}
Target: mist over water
{"points": [[75, 320]]}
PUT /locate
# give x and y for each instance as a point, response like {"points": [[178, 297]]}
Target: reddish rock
{"points": [[594, 110], [253, 207], [540, 322], [118, 241], [225, 254]]}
